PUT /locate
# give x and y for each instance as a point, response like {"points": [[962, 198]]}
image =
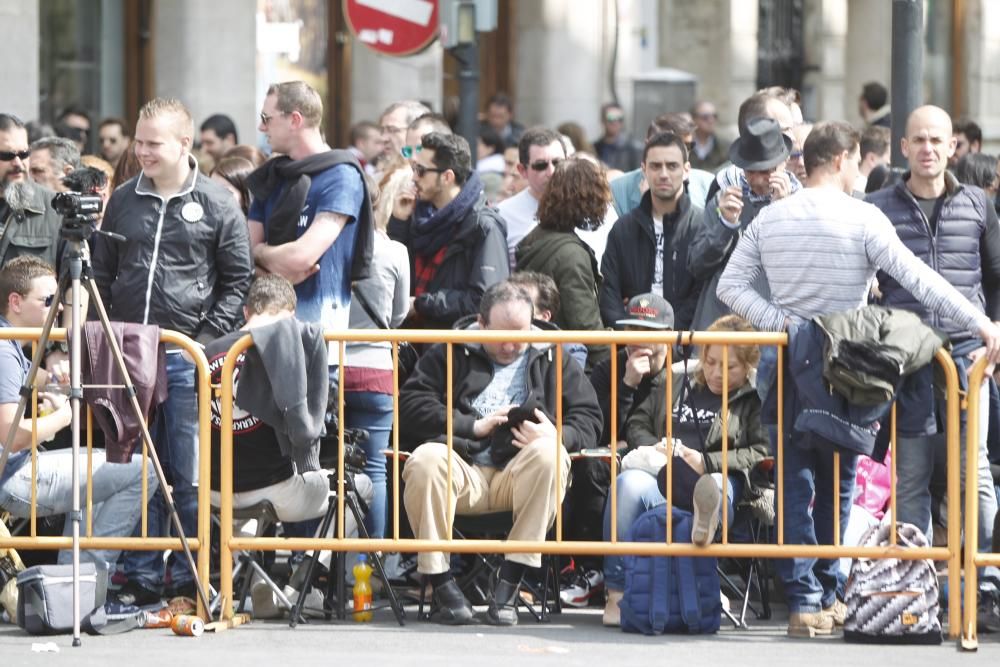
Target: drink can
{"points": [[188, 626], [156, 619]]}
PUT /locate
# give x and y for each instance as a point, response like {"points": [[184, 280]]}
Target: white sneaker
{"points": [[265, 602], [707, 505], [584, 587]]}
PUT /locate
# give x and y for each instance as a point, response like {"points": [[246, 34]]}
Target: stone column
{"points": [[982, 53], [868, 54], [379, 80], [205, 56], [19, 80]]}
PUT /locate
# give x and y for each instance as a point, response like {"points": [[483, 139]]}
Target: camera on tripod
{"points": [[77, 205], [354, 441]]}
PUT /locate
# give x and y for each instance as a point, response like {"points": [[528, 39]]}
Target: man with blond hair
{"points": [[311, 219], [185, 266]]}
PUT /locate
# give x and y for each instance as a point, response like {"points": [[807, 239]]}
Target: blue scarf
{"points": [[433, 229]]}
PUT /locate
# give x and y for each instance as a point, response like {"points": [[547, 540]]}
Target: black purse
{"points": [[408, 354]]}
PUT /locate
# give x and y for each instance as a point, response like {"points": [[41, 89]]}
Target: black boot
{"points": [[503, 604], [452, 607]]}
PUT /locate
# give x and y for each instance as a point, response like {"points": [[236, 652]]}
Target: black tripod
{"points": [[75, 231], [359, 508]]}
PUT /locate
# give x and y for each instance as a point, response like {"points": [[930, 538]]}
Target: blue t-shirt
{"points": [[14, 368], [325, 297]]}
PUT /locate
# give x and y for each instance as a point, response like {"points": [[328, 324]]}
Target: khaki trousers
{"points": [[526, 485]]}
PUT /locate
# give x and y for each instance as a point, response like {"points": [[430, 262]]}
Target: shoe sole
{"points": [[808, 632], [706, 521]]}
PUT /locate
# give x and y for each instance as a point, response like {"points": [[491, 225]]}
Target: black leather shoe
{"points": [[451, 606], [503, 604]]}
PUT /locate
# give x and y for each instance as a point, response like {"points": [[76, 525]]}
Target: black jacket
{"points": [[629, 398], [629, 258], [422, 400], [476, 258], [197, 245]]}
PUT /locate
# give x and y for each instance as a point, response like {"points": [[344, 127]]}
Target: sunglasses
{"points": [[614, 118], [419, 170], [265, 118], [542, 165], [9, 156], [707, 116], [409, 151]]}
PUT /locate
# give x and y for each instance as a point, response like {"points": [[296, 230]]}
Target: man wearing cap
{"points": [[818, 250], [647, 248], [759, 178], [639, 370]]}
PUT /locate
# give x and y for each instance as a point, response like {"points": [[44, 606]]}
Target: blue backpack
{"points": [[669, 593]]}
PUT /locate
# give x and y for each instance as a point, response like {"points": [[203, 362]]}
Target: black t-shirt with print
{"points": [[257, 460], [695, 414]]}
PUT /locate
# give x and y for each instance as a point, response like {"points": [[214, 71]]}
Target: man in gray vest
{"points": [[954, 229]]}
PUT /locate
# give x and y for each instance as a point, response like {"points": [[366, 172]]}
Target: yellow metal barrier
{"points": [[973, 559], [142, 543], [951, 553]]}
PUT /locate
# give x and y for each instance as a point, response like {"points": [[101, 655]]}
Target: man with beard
{"points": [[28, 225], [458, 244]]}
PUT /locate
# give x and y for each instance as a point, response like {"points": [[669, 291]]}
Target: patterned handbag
{"points": [[890, 600]]}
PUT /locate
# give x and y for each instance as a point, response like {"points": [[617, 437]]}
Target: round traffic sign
{"points": [[393, 27]]}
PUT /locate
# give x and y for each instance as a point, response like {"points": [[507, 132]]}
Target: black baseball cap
{"points": [[648, 310]]}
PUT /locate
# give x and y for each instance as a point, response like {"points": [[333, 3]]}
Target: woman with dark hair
{"points": [[577, 197], [231, 173], [127, 167], [978, 169]]}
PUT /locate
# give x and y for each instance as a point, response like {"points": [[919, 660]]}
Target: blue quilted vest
{"points": [[953, 251], [676, 594]]}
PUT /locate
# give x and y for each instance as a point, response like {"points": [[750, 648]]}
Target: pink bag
{"points": [[872, 485]]}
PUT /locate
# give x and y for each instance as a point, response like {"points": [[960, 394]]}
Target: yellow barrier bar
{"points": [[836, 498], [449, 435], [34, 457], [725, 446], [670, 442], [952, 427], [893, 450], [613, 498], [972, 561], [90, 474], [780, 479], [341, 421], [395, 440], [49, 543], [559, 446]]}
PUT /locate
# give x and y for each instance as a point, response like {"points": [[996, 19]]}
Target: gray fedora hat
{"points": [[760, 146]]}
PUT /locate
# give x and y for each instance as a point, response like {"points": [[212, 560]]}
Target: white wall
{"points": [[19, 77]]}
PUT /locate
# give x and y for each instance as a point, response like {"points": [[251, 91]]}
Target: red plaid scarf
{"points": [[426, 267]]}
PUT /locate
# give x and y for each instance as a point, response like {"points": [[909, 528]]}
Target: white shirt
{"points": [[519, 214]]}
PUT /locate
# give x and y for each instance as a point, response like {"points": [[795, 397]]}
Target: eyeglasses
{"points": [[797, 155], [392, 129], [614, 118], [542, 165], [265, 118], [419, 170], [9, 156], [707, 116], [409, 151]]}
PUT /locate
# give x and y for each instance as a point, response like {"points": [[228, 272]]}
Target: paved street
{"points": [[575, 638]]}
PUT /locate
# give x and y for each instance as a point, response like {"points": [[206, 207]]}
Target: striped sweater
{"points": [[819, 250]]}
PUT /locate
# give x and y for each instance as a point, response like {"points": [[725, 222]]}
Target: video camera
{"points": [[77, 204]]}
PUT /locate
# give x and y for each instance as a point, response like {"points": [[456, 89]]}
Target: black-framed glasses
{"points": [[49, 299], [9, 156], [419, 170], [409, 151], [542, 165], [265, 118]]}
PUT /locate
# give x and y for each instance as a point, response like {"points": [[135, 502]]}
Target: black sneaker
{"points": [[451, 606], [503, 604]]}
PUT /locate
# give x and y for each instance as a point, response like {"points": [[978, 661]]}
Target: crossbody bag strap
{"points": [[356, 293]]}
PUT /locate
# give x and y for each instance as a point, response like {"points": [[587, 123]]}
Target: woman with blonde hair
{"points": [[380, 301], [695, 448]]}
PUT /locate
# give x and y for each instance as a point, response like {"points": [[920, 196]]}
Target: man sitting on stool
{"points": [[496, 465], [261, 472]]}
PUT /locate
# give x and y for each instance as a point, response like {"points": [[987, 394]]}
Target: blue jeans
{"points": [[372, 411], [175, 435], [117, 493], [811, 583], [638, 492]]}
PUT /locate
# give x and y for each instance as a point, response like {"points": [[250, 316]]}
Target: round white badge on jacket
{"points": [[192, 212]]}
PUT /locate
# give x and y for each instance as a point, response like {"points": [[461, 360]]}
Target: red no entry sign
{"points": [[393, 27]]}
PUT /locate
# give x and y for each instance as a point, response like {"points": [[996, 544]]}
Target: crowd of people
{"points": [[683, 230]]}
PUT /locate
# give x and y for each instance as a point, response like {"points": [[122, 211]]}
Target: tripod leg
{"points": [[147, 439], [296, 615]]}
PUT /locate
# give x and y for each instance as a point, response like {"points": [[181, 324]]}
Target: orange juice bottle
{"points": [[362, 590]]}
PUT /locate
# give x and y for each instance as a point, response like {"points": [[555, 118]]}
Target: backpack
{"points": [[676, 594], [889, 600]]}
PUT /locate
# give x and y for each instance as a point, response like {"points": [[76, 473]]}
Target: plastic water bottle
{"points": [[362, 590]]}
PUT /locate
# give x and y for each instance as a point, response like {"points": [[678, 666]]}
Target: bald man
{"points": [[954, 229]]}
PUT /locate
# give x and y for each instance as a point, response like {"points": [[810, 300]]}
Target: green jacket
{"points": [[749, 443], [34, 231], [572, 265]]}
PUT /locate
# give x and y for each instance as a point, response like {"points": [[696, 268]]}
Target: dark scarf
{"points": [[432, 232], [284, 219]]}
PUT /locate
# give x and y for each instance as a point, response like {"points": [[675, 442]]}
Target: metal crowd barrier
{"points": [[973, 558], [143, 542], [229, 543]]}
